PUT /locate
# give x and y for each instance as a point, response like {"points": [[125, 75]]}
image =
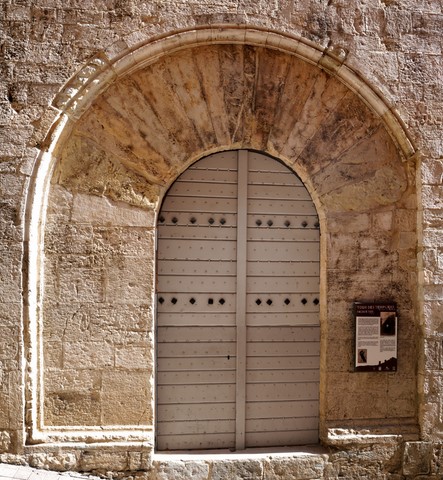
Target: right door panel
{"points": [[283, 332]]}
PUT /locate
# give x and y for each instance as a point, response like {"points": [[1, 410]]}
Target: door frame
{"points": [[241, 338]]}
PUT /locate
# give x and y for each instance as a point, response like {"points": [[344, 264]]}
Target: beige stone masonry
{"points": [[103, 104], [117, 159]]}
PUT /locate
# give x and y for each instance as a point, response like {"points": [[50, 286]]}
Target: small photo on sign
{"points": [[387, 323], [363, 356]]}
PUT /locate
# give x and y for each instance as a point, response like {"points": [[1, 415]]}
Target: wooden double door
{"points": [[238, 336]]}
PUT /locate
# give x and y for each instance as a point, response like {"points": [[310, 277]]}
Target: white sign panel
{"points": [[375, 337]]}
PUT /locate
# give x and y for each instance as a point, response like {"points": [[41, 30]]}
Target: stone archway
{"points": [[115, 160]]}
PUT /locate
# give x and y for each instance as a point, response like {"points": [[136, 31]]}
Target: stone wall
{"points": [[97, 315], [96, 229]]}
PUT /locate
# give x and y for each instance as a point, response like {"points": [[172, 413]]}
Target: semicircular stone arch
{"points": [[154, 122], [116, 164]]}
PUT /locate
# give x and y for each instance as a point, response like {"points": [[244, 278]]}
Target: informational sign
{"points": [[375, 337]]}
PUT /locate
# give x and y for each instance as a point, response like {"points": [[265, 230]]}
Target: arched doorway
{"points": [[237, 313], [113, 155]]}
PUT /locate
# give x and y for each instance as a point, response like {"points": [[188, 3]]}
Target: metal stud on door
{"points": [[237, 346]]}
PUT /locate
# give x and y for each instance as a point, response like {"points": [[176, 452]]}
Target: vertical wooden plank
{"points": [[242, 212], [282, 308], [195, 348]]}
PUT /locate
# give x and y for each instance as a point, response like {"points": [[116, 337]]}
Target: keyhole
{"points": [[228, 357]]}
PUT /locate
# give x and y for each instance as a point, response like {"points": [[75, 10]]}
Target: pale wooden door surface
{"points": [[237, 311]]}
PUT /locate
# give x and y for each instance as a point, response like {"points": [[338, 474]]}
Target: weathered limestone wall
{"points": [[137, 136], [98, 312], [396, 46]]}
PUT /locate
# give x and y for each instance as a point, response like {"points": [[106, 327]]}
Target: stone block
{"points": [[133, 357], [132, 324], [126, 398], [96, 210], [432, 385], [59, 205], [135, 461], [351, 470], [379, 262], [377, 240], [127, 241], [72, 261], [53, 355], [432, 172], [6, 113], [5, 409], [10, 277], [347, 400], [103, 460], [433, 316], [405, 220], [8, 367], [417, 458], [129, 280], [432, 196], [11, 143], [432, 237], [64, 321], [57, 461], [9, 343], [80, 285], [8, 217], [71, 408], [296, 468], [65, 238], [337, 245], [88, 355], [176, 469], [247, 469], [10, 165], [18, 13], [433, 292], [383, 220], [50, 275], [432, 353], [418, 68], [15, 407], [5, 441], [70, 380], [430, 419], [371, 193], [407, 240], [437, 460], [42, 94], [4, 384], [32, 72], [44, 14], [117, 324]]}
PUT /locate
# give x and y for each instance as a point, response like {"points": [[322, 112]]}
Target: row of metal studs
{"points": [[221, 301], [258, 222]]}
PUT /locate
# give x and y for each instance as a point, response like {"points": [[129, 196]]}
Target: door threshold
{"points": [[249, 453]]}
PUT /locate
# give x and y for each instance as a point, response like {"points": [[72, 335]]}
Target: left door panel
{"points": [[196, 329]]}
